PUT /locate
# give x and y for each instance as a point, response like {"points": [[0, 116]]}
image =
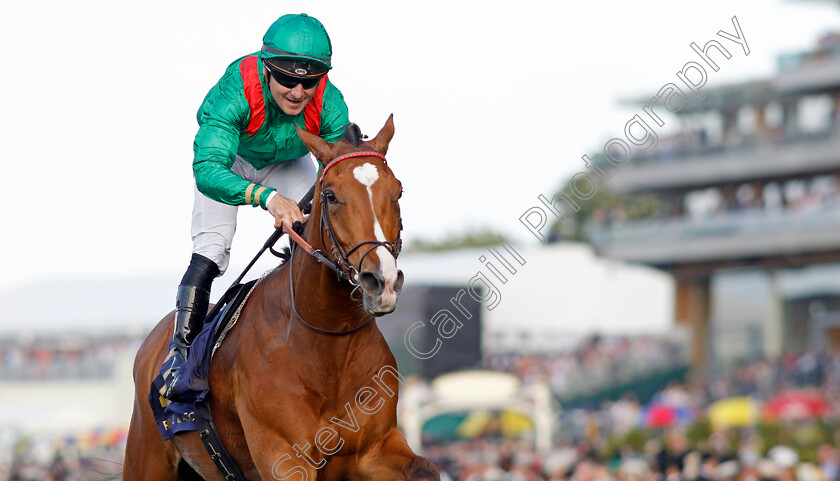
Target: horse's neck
{"points": [[320, 298], [325, 303]]}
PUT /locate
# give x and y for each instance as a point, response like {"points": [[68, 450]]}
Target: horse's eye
{"points": [[330, 197]]}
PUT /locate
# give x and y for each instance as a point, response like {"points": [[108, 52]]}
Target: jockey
{"points": [[247, 152]]}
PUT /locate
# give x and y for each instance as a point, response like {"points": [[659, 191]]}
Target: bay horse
{"points": [[304, 386]]}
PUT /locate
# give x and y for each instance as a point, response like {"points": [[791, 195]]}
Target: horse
{"points": [[304, 385]]}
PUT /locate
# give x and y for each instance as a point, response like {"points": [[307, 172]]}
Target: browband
{"points": [[362, 153]]}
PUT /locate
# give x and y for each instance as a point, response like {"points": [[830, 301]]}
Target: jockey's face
{"points": [[290, 100]]}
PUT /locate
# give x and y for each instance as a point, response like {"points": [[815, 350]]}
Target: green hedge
{"points": [[804, 437]]}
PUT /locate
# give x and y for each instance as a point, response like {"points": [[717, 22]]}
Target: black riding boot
{"points": [[190, 308]]}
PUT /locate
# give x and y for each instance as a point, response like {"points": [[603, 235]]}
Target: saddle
{"points": [[192, 412], [173, 417]]}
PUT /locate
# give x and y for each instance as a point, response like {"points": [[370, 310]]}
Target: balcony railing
{"points": [[748, 233], [748, 160]]}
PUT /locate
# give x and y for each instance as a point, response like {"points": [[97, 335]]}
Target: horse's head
{"points": [[357, 198]]}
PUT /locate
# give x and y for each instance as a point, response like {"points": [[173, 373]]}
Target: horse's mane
{"points": [[353, 134], [284, 254]]}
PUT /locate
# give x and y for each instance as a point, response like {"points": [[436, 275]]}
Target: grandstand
{"points": [[743, 198]]}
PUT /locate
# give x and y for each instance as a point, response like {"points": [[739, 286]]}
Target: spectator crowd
{"points": [[46, 359], [605, 442], [613, 443], [595, 363]]}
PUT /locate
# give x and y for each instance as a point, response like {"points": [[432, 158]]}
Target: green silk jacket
{"points": [[240, 117]]}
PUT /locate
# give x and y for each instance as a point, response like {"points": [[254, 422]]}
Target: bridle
{"points": [[340, 263], [342, 266]]}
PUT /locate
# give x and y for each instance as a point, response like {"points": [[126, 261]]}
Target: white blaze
{"points": [[367, 175]]}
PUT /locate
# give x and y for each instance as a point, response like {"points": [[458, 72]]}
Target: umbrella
{"points": [[443, 426], [514, 423], [508, 423], [796, 405], [733, 412], [658, 415]]}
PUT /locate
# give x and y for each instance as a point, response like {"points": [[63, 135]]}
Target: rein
{"points": [[308, 325]]}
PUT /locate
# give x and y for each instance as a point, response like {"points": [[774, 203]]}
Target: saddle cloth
{"points": [[173, 417]]}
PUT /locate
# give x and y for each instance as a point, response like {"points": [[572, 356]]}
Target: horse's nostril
{"points": [[399, 284], [371, 282]]}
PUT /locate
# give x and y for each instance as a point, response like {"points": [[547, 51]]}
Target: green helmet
{"points": [[298, 38]]}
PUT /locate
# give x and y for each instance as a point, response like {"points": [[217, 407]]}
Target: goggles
{"points": [[291, 81]]}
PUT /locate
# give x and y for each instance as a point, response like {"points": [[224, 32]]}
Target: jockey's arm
{"points": [[216, 143]]}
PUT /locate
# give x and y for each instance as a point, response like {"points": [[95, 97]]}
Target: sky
{"points": [[494, 103]]}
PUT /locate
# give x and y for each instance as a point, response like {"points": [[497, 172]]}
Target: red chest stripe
{"points": [[312, 111], [254, 95]]}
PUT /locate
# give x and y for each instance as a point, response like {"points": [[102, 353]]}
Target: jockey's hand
{"points": [[284, 210]]}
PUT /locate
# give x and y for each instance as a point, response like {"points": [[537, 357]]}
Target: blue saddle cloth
{"points": [[173, 417]]}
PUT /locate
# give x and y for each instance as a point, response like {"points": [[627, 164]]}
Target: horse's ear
{"points": [[320, 148], [383, 138]]}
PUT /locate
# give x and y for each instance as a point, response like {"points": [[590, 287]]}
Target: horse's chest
{"points": [[353, 419]]}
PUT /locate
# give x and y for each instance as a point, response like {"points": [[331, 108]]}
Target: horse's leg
{"points": [[393, 460], [147, 456], [271, 457], [275, 459]]}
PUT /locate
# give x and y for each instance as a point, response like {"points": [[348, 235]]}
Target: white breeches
{"points": [[214, 223]]}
